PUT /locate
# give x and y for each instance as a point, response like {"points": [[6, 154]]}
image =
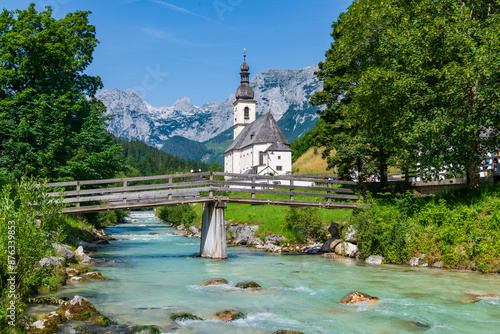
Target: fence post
{"points": [[253, 187], [291, 190], [170, 180], [124, 193], [211, 178], [328, 192], [78, 191]]}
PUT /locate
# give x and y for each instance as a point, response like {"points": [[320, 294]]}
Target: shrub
{"points": [[307, 224], [177, 215]]}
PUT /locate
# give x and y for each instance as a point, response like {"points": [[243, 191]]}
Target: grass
{"points": [[271, 218], [311, 163]]}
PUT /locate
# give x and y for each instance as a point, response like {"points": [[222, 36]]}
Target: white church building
{"points": [[259, 145]]}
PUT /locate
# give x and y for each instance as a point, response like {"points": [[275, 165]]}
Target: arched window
{"points": [[247, 113]]}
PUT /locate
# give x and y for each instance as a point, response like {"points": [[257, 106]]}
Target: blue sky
{"points": [[173, 48]]}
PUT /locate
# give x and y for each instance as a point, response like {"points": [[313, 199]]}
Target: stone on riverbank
{"points": [[95, 275], [374, 259], [72, 272], [78, 308], [274, 239], [254, 242], [247, 285], [45, 326], [287, 331], [330, 244], [347, 248], [51, 261], [213, 281], [52, 315], [350, 234], [334, 230], [357, 297], [180, 316], [243, 233], [228, 315], [82, 257], [313, 249], [64, 252]]}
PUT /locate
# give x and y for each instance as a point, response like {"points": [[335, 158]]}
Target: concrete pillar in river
{"points": [[213, 231]]}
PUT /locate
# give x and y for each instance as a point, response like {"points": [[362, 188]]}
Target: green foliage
{"points": [[105, 218], [461, 229], [306, 223], [30, 236], [300, 145], [177, 215], [144, 160], [50, 124], [409, 76]]}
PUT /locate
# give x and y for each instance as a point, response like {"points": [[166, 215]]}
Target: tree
{"points": [[416, 79], [50, 123]]}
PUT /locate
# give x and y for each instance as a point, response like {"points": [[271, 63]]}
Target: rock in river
{"points": [[287, 331], [179, 316], [213, 281], [78, 308], [374, 259], [247, 285], [356, 297], [228, 315]]}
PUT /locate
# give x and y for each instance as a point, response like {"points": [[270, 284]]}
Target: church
{"points": [[259, 146]]}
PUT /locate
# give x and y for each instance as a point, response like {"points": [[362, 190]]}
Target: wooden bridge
{"points": [[213, 189]]}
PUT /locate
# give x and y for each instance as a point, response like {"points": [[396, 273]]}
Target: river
{"points": [[152, 276]]}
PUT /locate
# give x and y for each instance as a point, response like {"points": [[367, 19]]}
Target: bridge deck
{"points": [[167, 190]]}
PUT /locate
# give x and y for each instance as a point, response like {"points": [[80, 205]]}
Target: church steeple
{"points": [[244, 106], [244, 91]]}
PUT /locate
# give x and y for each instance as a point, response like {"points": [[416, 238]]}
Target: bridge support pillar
{"points": [[213, 231]]}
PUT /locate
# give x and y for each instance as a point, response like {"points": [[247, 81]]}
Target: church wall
{"points": [[281, 159]]}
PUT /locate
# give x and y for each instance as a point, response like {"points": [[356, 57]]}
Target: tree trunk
{"points": [[473, 177], [383, 167]]}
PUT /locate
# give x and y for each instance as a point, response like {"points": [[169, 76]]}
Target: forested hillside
{"points": [[143, 160]]}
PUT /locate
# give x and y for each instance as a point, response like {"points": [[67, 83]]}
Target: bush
{"points": [[461, 229], [307, 224], [177, 215], [26, 234]]}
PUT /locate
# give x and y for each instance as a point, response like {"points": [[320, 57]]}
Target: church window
{"points": [[261, 158], [279, 157], [251, 136], [247, 113], [279, 168]]}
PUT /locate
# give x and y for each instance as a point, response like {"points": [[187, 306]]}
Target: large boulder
{"points": [[330, 244], [287, 331], [51, 261], [374, 259], [64, 252], [228, 315], [348, 249], [243, 233], [274, 239], [78, 308], [334, 230], [357, 297], [213, 281], [52, 315]]}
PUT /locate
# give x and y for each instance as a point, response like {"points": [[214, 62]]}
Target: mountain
{"points": [[283, 92]]}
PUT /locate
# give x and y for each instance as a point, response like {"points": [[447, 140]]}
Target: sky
{"points": [[167, 49]]}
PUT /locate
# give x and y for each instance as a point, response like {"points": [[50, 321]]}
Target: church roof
{"points": [[261, 131]]}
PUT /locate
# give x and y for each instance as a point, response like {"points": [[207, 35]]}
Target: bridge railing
{"points": [[174, 189]]}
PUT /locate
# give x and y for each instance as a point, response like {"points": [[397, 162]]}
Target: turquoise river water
{"points": [[152, 276]]}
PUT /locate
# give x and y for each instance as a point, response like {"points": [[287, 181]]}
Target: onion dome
{"points": [[244, 91]]}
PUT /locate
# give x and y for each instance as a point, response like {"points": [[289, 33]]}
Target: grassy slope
{"points": [[311, 163]]}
